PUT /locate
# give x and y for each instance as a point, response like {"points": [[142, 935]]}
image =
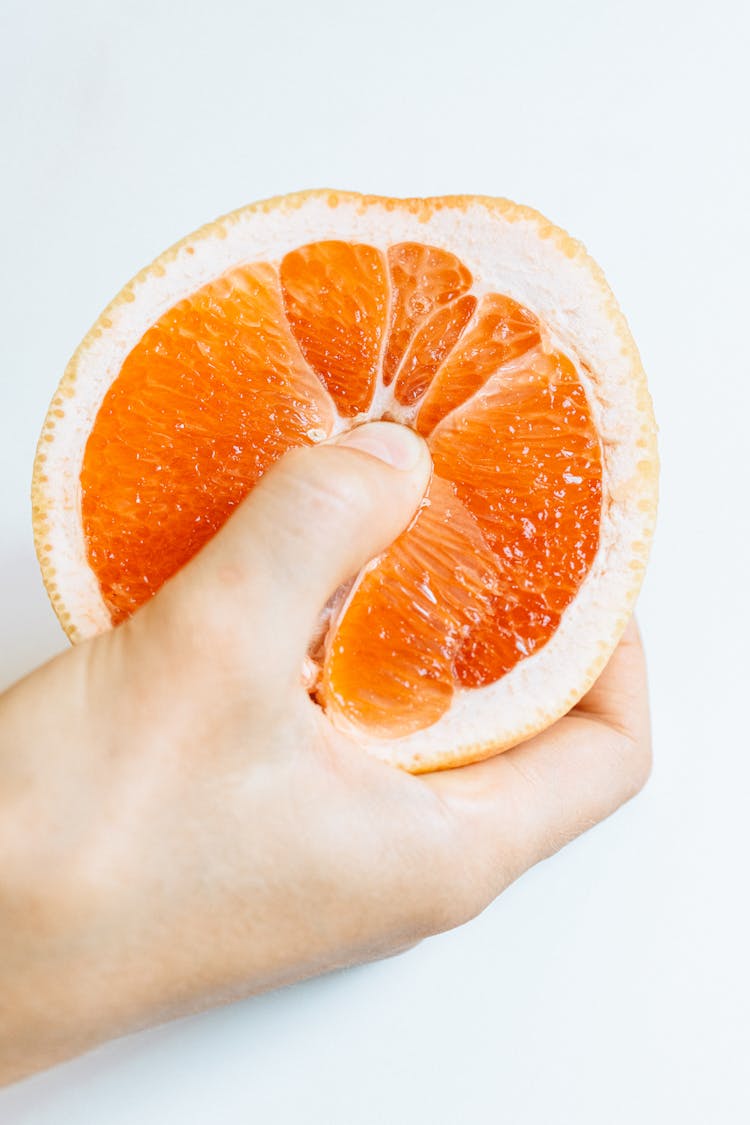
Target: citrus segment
{"points": [[389, 665], [503, 330], [430, 347], [208, 399], [423, 279], [336, 299], [525, 460]]}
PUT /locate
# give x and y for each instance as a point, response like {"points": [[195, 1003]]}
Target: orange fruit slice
{"points": [[474, 321]]}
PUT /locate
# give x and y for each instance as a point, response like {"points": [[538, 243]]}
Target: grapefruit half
{"points": [[473, 320]]}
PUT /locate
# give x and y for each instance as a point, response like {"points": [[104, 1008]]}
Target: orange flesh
{"points": [[212, 395], [423, 279], [263, 359], [339, 328]]}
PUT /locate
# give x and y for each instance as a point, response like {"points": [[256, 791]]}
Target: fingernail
{"points": [[396, 445]]}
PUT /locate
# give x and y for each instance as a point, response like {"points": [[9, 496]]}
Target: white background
{"points": [[611, 985]]}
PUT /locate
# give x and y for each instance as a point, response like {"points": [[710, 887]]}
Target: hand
{"points": [[179, 824]]}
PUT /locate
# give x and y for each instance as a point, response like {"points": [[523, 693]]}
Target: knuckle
{"points": [[435, 910], [452, 888], [332, 498], [633, 759], [461, 900], [325, 490], [640, 763]]}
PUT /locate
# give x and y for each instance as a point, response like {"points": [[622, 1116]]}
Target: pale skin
{"points": [[179, 824]]}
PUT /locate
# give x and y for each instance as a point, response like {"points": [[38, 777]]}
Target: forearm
{"points": [[62, 989], [42, 827]]}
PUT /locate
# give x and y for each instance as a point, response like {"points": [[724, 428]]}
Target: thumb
{"points": [[322, 512]]}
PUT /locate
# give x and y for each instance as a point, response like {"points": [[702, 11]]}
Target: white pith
{"points": [[520, 256]]}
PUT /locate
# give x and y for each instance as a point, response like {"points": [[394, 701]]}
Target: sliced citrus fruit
{"points": [[474, 321]]}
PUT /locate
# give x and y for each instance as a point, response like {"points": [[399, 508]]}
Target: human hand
{"points": [[182, 827]]}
